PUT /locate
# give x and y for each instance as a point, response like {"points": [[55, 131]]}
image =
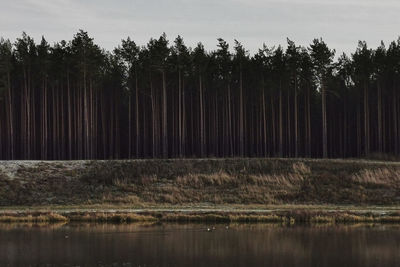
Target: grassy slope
{"points": [[200, 182]]}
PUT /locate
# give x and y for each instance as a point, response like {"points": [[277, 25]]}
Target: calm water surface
{"points": [[193, 245]]}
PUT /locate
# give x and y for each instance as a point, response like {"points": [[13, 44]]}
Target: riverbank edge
{"points": [[227, 181], [279, 214]]}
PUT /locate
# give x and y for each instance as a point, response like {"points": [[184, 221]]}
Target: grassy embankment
{"points": [[275, 190]]}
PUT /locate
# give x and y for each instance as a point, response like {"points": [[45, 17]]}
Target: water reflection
{"points": [[193, 245]]}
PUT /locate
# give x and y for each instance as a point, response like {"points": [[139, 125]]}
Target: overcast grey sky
{"points": [[341, 23]]}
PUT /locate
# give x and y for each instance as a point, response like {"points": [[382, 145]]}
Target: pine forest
{"points": [[75, 100]]}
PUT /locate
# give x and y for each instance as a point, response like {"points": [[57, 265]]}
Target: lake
{"points": [[193, 245]]}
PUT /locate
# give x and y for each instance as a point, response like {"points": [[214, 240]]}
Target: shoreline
{"points": [[201, 190], [290, 214]]}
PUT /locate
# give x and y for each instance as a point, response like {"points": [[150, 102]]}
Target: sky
{"points": [[341, 23]]}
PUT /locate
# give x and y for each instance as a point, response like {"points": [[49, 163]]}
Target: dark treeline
{"points": [[73, 100]]}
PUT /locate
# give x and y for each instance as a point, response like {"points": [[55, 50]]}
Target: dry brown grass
{"points": [[3, 175], [197, 181], [201, 180], [289, 180], [379, 176], [225, 218], [301, 168], [284, 217], [123, 199], [50, 217]]}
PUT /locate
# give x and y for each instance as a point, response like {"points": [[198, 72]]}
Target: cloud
{"points": [[358, 3], [341, 23]]}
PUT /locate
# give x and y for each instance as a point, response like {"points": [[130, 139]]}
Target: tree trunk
{"points": [[130, 125], [264, 116], [296, 134], [241, 129], [202, 143], [379, 107], [324, 125], [137, 115], [164, 116], [280, 123], [180, 128], [366, 121], [10, 120]]}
